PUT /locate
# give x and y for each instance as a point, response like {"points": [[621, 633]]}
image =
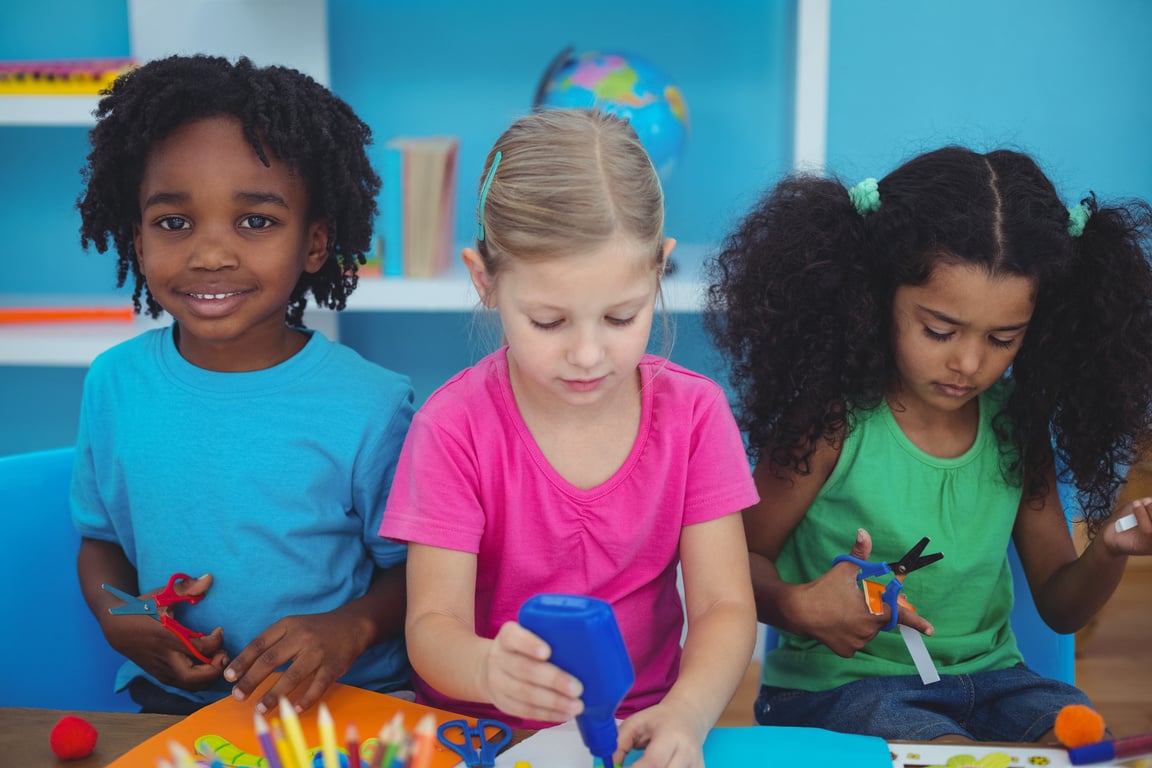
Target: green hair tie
{"points": [[1077, 218], [865, 196], [484, 194]]}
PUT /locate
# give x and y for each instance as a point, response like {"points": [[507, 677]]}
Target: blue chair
{"points": [[1045, 651], [52, 652]]}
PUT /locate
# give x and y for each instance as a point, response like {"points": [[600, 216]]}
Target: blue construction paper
{"points": [[801, 747], [749, 747]]}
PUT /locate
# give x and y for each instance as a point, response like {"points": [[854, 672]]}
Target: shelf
{"points": [[454, 292], [47, 110], [77, 344]]}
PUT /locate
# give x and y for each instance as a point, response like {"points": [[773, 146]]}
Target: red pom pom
{"points": [[72, 738], [1078, 725]]}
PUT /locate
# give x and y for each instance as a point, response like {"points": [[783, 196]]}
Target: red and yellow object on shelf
{"points": [[61, 77]]}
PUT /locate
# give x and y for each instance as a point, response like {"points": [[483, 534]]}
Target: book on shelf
{"points": [[419, 205], [61, 77]]}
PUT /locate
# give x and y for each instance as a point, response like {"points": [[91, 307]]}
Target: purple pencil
{"points": [[267, 744]]}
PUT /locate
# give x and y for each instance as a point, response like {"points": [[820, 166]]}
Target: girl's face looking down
{"points": [[577, 326], [222, 242], [956, 335]]}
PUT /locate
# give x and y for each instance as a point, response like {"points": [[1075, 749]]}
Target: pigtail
{"points": [[790, 305], [1100, 355]]}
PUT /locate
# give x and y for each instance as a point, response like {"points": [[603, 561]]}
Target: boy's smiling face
{"points": [[222, 242]]}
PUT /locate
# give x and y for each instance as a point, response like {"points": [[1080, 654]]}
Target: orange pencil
{"points": [[12, 315], [424, 742]]}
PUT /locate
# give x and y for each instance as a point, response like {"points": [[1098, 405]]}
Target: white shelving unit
{"points": [[77, 344], [47, 110]]}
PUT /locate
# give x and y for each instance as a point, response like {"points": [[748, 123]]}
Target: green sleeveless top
{"points": [[898, 493]]}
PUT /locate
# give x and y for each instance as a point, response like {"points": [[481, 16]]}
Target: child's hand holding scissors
{"points": [[835, 614], [171, 652]]}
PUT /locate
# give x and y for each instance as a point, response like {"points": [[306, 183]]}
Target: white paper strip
{"points": [[920, 657]]}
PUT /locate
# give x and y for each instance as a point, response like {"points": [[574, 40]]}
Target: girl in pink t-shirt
{"points": [[572, 461]]}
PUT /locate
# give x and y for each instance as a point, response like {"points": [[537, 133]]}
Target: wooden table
{"points": [[24, 736]]}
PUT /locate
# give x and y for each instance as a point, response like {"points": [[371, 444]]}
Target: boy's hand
{"points": [[318, 649], [160, 653], [520, 681]]}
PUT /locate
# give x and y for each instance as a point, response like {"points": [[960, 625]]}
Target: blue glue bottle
{"points": [[587, 644]]}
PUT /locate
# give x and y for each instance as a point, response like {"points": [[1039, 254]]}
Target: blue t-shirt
{"points": [[273, 481]]}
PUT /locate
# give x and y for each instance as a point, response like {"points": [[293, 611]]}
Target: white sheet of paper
{"points": [[556, 747]]}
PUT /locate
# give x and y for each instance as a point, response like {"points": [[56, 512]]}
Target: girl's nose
{"points": [[587, 350], [966, 359]]}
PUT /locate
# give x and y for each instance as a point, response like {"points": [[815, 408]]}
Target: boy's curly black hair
{"points": [[801, 297], [284, 112]]}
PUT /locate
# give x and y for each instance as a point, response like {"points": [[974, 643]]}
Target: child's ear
{"points": [[666, 252], [136, 229], [479, 274], [317, 246]]}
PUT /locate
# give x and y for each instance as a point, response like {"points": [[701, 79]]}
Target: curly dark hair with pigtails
{"points": [[284, 113], [801, 296]]}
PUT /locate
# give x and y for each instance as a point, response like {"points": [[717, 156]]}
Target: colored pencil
{"points": [[352, 742], [295, 734], [181, 757], [328, 748], [424, 742], [267, 744], [391, 738], [283, 748]]}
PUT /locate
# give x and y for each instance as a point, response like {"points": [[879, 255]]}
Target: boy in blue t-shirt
{"points": [[234, 443]]}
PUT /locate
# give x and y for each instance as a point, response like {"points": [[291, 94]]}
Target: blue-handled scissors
{"points": [[476, 746], [911, 561]]}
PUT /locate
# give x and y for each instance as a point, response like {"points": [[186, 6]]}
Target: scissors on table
{"points": [[475, 746], [876, 593], [150, 606]]}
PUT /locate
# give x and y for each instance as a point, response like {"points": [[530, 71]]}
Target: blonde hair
{"points": [[568, 180]]}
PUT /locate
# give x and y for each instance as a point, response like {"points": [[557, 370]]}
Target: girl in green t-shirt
{"points": [[917, 356]]}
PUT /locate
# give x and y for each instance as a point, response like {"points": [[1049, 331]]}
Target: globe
{"points": [[627, 86]]}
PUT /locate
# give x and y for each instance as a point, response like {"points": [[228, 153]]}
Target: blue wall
{"points": [[1067, 80]]}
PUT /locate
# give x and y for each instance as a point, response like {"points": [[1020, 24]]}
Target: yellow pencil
{"points": [[181, 757], [328, 746], [283, 748], [295, 734]]}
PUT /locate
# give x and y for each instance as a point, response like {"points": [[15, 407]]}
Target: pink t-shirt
{"points": [[472, 478]]}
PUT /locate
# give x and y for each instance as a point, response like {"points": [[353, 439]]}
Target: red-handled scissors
{"points": [[150, 606]]}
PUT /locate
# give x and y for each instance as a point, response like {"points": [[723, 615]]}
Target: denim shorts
{"points": [[1013, 704]]}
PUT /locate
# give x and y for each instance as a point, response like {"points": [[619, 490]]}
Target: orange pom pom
{"points": [[72, 738], [1078, 725]]}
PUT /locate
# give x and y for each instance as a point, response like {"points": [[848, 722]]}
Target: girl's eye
{"points": [[1002, 343], [621, 322], [172, 223], [937, 335], [547, 326], [255, 221]]}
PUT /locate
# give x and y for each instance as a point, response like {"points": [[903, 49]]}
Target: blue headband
{"points": [[484, 195]]}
